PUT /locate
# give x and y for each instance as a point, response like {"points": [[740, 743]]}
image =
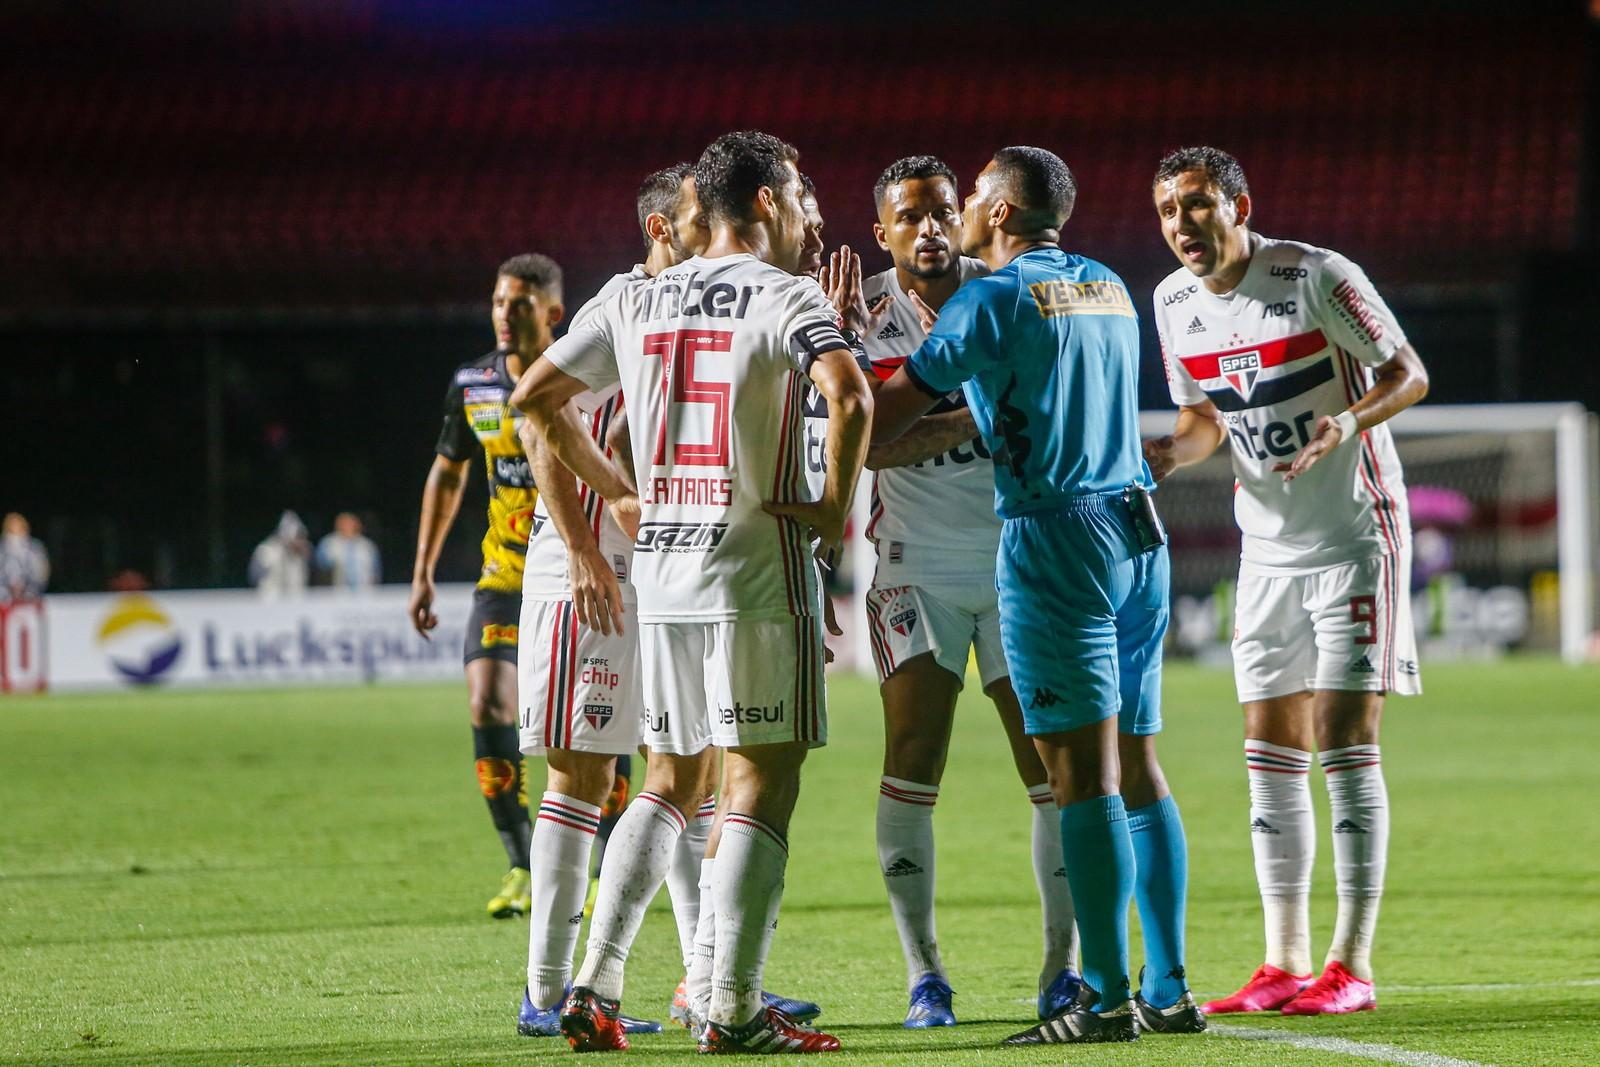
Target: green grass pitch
{"points": [[297, 876]]}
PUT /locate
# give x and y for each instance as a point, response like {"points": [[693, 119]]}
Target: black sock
{"points": [[500, 776]]}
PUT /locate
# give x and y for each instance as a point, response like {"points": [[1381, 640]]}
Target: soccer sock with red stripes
{"points": [[905, 856], [1055, 892], [1283, 835], [1358, 803], [749, 886], [563, 835], [638, 857], [497, 757], [683, 877]]}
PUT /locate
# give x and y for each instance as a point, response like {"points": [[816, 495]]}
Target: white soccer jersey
{"points": [[713, 357], [945, 503], [1292, 343], [544, 575]]}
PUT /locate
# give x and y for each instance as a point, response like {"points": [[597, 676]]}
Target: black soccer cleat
{"points": [[1184, 1017], [1081, 1024]]}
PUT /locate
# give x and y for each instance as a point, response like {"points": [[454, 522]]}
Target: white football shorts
{"points": [[577, 688], [946, 620], [1347, 627], [733, 684]]}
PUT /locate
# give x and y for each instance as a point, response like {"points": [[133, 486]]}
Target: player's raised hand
{"points": [[596, 593], [1161, 454], [815, 517], [1324, 440], [840, 279], [625, 510], [420, 607], [925, 314]]}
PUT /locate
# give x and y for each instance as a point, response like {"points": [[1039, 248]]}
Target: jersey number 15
{"points": [[677, 351]]}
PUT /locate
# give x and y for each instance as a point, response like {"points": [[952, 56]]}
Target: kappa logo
{"points": [[1362, 666], [900, 868], [598, 716], [1262, 826], [890, 331], [1196, 326], [1043, 698], [1240, 372], [904, 622], [1345, 826]]}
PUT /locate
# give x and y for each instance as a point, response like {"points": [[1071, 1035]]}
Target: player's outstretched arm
{"points": [[929, 436], [595, 593], [1196, 435], [441, 499], [850, 405], [541, 393], [1398, 383], [898, 403]]}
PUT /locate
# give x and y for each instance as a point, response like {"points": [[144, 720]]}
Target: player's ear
{"points": [[766, 204], [879, 233], [999, 214], [1241, 209], [658, 227], [554, 313]]}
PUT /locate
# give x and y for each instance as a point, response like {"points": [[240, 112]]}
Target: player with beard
{"points": [[1288, 352], [526, 307], [716, 354], [933, 598]]}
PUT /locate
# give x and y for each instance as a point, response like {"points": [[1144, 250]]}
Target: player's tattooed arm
{"points": [[541, 393], [441, 500], [1197, 434], [929, 436], [596, 596], [1397, 384], [850, 405]]}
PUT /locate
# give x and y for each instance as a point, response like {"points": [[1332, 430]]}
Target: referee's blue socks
{"points": [[1162, 891], [1100, 868]]}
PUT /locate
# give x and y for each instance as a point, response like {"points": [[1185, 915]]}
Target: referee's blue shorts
{"points": [[1082, 616]]}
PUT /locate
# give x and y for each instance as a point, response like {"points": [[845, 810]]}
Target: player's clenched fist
{"points": [[818, 519], [1161, 455]]}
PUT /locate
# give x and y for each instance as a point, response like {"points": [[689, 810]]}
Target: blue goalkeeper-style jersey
{"points": [[1047, 351]]}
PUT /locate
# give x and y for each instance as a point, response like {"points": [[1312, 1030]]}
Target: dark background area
{"points": [[243, 245]]}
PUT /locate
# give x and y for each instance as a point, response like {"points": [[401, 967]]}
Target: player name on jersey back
{"points": [[712, 356], [946, 502], [1294, 341]]}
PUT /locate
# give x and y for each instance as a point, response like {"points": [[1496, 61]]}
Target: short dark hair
{"points": [[906, 169], [659, 193], [537, 269], [807, 186], [1220, 168], [734, 166], [1038, 183]]}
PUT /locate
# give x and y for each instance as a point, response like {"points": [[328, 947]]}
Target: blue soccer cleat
{"points": [[546, 1022], [930, 1003], [1060, 994], [800, 1010]]}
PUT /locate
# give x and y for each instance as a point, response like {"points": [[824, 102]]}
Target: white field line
{"points": [[1342, 1046], [1461, 987]]}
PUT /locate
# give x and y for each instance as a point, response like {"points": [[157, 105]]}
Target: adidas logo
{"points": [[1196, 326], [1345, 826], [1061, 872], [1362, 665], [900, 867], [1262, 826], [576, 920], [890, 331]]}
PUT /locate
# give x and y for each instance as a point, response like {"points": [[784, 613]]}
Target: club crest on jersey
{"points": [[597, 715], [1240, 371], [904, 622]]}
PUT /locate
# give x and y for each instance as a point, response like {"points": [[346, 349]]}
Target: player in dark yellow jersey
{"points": [[477, 415]]}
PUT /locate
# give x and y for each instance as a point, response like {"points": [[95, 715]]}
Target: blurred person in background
{"points": [[524, 310], [24, 564], [281, 564], [348, 557]]}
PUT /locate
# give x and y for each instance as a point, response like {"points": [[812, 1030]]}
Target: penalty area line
{"points": [[1342, 1046]]}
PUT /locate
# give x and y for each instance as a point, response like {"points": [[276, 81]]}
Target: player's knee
{"points": [[679, 780], [581, 775], [489, 707]]}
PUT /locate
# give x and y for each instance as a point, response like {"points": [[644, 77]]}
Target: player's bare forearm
{"points": [[929, 436], [1397, 384], [558, 488], [441, 500], [620, 441], [897, 404], [541, 394], [850, 407], [1196, 435]]}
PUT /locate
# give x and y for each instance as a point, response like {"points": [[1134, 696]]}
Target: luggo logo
{"points": [[139, 639]]}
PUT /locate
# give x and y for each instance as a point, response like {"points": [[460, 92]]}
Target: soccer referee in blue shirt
{"points": [[1047, 350]]}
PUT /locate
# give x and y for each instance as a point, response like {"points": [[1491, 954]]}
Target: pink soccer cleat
{"points": [[1269, 989], [1337, 992]]}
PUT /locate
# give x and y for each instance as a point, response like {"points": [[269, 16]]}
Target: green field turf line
{"points": [[1343, 1047]]}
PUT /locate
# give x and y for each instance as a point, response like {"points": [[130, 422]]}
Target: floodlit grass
{"points": [[297, 876]]}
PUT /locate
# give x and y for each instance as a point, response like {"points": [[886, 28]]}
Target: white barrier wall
{"points": [[226, 637]]}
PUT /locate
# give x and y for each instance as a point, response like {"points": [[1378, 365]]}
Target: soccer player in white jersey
{"points": [[933, 597], [580, 691], [714, 356], [1288, 352]]}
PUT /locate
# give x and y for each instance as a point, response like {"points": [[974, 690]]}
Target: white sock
{"points": [[1283, 835], [683, 877], [697, 983], [906, 858], [749, 884], [1358, 804], [563, 835], [644, 839], [1055, 895]]}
